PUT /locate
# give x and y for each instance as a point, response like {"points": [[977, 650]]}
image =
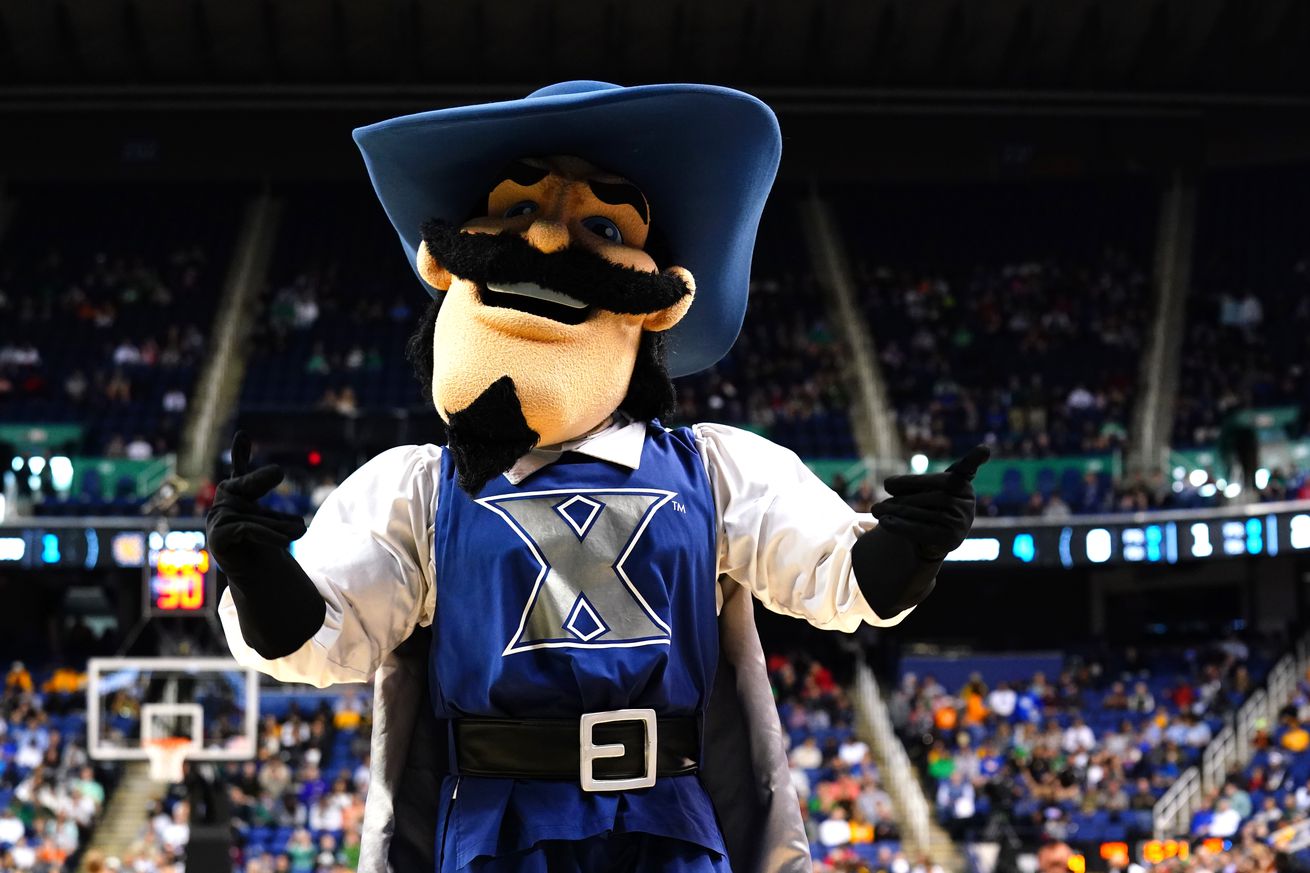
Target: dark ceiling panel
{"points": [[721, 48], [1191, 26], [1228, 58], [103, 43], [8, 66], [239, 40], [171, 39], [1291, 69], [577, 42], [1057, 29], [997, 34], [36, 48], [305, 35], [785, 33], [1191, 46], [517, 44], [852, 33], [1126, 25], [650, 47], [452, 42], [922, 50], [379, 41]]}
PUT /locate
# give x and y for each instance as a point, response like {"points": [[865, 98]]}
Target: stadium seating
{"points": [[303, 797], [340, 305], [1268, 801], [109, 295], [782, 378], [1081, 755], [51, 796], [1013, 314], [1248, 316], [848, 816]]}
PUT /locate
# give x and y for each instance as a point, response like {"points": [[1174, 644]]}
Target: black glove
{"points": [[925, 519], [277, 605]]}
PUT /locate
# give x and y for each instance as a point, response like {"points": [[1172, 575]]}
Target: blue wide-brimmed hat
{"points": [[705, 157]]}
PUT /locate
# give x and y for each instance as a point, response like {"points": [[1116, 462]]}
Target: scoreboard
{"points": [[173, 555], [175, 564], [93, 546], [1154, 538]]}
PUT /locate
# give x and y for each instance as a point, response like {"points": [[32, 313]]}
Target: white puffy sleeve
{"points": [[369, 553], [783, 533]]}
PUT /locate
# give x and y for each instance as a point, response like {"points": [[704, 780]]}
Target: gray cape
{"points": [[744, 765]]}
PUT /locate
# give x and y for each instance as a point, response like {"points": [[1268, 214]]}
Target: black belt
{"points": [[605, 751]]}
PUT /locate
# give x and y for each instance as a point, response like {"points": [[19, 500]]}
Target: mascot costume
{"points": [[555, 606]]}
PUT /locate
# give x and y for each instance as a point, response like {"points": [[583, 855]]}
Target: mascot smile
{"points": [[555, 608]]}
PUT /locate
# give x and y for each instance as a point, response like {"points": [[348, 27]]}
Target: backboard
{"points": [[213, 702]]}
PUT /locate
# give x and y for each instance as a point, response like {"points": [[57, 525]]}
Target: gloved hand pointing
{"points": [[935, 510], [924, 520], [277, 604], [241, 532]]}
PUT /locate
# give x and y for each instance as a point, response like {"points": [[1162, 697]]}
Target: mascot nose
{"points": [[548, 236]]}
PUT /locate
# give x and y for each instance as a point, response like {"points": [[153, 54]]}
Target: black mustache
{"points": [[506, 257]]}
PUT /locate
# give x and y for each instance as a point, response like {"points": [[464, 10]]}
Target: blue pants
{"points": [[615, 853]]}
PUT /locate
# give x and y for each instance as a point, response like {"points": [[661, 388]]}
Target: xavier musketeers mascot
{"points": [[555, 606]]}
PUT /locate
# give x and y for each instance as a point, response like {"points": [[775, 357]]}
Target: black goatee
{"points": [[489, 435]]}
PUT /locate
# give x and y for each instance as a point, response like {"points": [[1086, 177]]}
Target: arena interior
{"points": [[1076, 232]]}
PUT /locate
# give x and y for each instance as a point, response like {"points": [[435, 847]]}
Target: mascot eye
{"points": [[523, 207], [603, 228]]}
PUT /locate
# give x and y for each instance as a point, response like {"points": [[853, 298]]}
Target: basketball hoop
{"points": [[167, 755]]}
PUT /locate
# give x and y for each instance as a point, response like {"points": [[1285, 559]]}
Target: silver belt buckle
{"points": [[590, 751]]}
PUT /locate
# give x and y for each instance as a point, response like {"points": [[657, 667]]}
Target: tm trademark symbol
{"points": [[678, 507]]}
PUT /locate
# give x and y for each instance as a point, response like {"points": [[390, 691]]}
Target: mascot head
{"points": [[581, 245]]}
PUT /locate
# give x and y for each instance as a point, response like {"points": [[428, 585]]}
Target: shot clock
{"points": [[178, 574]]}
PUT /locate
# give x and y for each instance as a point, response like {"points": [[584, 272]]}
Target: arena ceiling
{"points": [[827, 53]]}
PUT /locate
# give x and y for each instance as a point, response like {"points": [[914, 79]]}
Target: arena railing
{"points": [[897, 773], [1233, 747], [1173, 811]]}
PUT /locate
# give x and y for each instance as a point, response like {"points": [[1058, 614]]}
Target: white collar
{"points": [[619, 442]]}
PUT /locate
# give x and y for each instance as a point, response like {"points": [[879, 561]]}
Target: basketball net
{"points": [[167, 755]]}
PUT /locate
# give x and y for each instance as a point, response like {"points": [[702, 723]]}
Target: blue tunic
{"points": [[587, 587]]}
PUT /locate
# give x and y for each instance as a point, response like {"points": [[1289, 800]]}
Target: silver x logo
{"points": [[582, 597]]}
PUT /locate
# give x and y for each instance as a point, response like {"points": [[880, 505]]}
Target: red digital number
{"points": [[180, 580]]}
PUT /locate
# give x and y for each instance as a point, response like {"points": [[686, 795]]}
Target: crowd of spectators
{"points": [[1266, 805], [107, 296], [1036, 358], [784, 376], [1080, 757], [1245, 342], [337, 313], [298, 806], [1094, 492], [1233, 360], [107, 336], [342, 337], [848, 815], [51, 796], [309, 786]]}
